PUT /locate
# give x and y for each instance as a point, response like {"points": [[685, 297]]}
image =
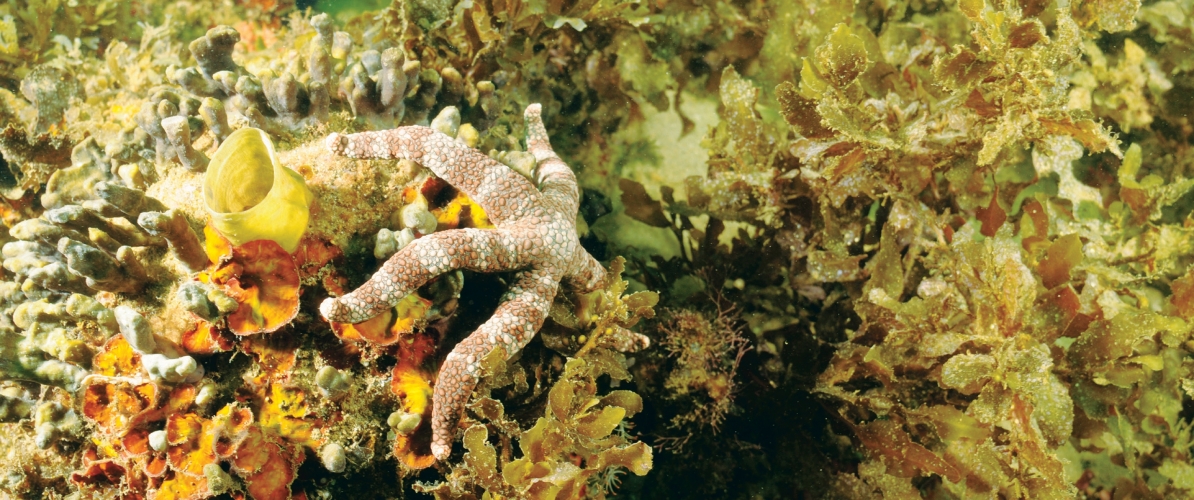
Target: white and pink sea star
{"points": [[535, 235]]}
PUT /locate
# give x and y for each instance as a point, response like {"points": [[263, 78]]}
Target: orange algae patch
{"points": [[452, 208], [282, 411], [415, 350], [205, 338], [122, 411], [109, 472], [179, 399], [276, 355], [413, 388], [113, 406], [267, 464], [429, 189], [414, 391], [119, 406], [232, 427], [313, 255], [260, 33], [374, 330], [183, 487], [99, 471], [252, 454], [273, 480], [192, 441], [215, 245], [286, 413], [260, 276], [461, 212], [136, 442], [117, 359], [156, 465], [263, 279], [386, 328], [315, 259]]}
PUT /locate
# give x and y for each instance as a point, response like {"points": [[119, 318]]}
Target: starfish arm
{"points": [[555, 178], [587, 273], [538, 143], [558, 184], [503, 193], [418, 262], [522, 311]]}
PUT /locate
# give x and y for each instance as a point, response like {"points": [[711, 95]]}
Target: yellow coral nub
{"points": [[251, 196]]}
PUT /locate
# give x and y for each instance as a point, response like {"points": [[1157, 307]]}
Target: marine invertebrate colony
{"points": [[251, 196], [536, 234]]}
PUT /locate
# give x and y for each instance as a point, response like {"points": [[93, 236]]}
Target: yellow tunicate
{"points": [[251, 196]]}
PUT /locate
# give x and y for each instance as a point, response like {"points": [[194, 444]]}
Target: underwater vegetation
{"points": [[800, 249]]}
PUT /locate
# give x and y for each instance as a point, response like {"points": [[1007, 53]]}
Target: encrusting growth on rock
{"points": [[535, 235]]}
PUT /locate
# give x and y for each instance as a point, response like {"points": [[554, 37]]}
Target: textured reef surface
{"points": [[565, 249]]}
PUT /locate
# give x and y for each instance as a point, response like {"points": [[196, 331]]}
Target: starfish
{"points": [[534, 234]]}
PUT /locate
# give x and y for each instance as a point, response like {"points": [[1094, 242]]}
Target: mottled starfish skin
{"points": [[535, 235]]}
